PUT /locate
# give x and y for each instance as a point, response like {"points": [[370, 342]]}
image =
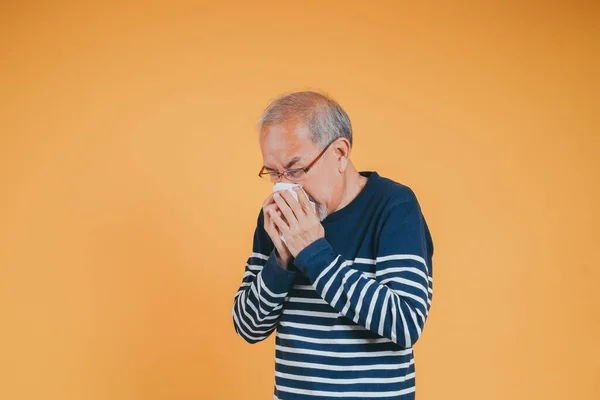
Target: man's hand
{"points": [[301, 226], [284, 258]]}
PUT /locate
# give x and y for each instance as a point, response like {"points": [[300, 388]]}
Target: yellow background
{"points": [[128, 161]]}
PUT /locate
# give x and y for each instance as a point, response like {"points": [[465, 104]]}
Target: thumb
{"points": [[276, 237]]}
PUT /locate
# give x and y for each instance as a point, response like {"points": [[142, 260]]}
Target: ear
{"points": [[342, 151]]}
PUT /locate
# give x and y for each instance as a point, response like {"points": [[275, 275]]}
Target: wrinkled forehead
{"points": [[285, 145]]}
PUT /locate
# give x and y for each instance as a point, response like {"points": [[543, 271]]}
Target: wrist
{"points": [[315, 257], [284, 262]]}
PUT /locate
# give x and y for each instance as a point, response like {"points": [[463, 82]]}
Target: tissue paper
{"points": [[290, 187]]}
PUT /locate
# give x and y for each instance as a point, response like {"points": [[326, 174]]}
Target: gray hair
{"points": [[325, 118]]}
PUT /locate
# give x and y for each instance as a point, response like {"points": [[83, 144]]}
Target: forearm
{"points": [[258, 302], [397, 311]]}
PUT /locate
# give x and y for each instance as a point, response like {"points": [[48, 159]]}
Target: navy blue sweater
{"points": [[353, 305]]}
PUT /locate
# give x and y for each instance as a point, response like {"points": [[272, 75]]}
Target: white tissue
{"points": [[290, 187]]}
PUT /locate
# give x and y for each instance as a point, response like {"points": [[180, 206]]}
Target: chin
{"points": [[321, 212]]}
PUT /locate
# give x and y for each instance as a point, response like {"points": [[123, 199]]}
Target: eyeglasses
{"points": [[292, 174]]}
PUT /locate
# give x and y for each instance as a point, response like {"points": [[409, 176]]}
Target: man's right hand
{"points": [[283, 255]]}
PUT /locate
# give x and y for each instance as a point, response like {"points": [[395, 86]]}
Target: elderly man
{"points": [[347, 287]]}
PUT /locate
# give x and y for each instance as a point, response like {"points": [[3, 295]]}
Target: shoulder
{"points": [[393, 194], [401, 215], [396, 204]]}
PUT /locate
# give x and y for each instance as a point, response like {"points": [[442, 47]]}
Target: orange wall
{"points": [[128, 194]]}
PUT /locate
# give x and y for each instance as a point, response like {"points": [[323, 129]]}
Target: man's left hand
{"points": [[301, 226]]}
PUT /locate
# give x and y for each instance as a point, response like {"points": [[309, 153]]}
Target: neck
{"points": [[353, 184]]}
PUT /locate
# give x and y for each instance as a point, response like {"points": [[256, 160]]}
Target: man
{"points": [[350, 286]]}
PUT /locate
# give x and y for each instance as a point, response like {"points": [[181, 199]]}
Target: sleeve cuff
{"points": [[315, 258], [277, 279]]}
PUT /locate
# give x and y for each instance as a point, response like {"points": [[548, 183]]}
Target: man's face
{"points": [[288, 146]]}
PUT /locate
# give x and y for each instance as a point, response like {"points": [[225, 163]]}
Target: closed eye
{"points": [[296, 171]]}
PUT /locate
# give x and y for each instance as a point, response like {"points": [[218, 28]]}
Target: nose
{"points": [[283, 179]]}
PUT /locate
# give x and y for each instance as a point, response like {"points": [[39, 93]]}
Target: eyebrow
{"points": [[292, 162], [288, 166]]}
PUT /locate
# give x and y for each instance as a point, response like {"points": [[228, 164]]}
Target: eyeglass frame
{"points": [[262, 172]]}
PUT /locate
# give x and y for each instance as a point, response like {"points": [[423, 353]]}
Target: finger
{"points": [[285, 209], [295, 205], [274, 234], [304, 201], [272, 208], [268, 204], [280, 224], [267, 217], [272, 231], [276, 239], [268, 201]]}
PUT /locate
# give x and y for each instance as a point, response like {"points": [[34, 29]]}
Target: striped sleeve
{"points": [[258, 302], [396, 301]]}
